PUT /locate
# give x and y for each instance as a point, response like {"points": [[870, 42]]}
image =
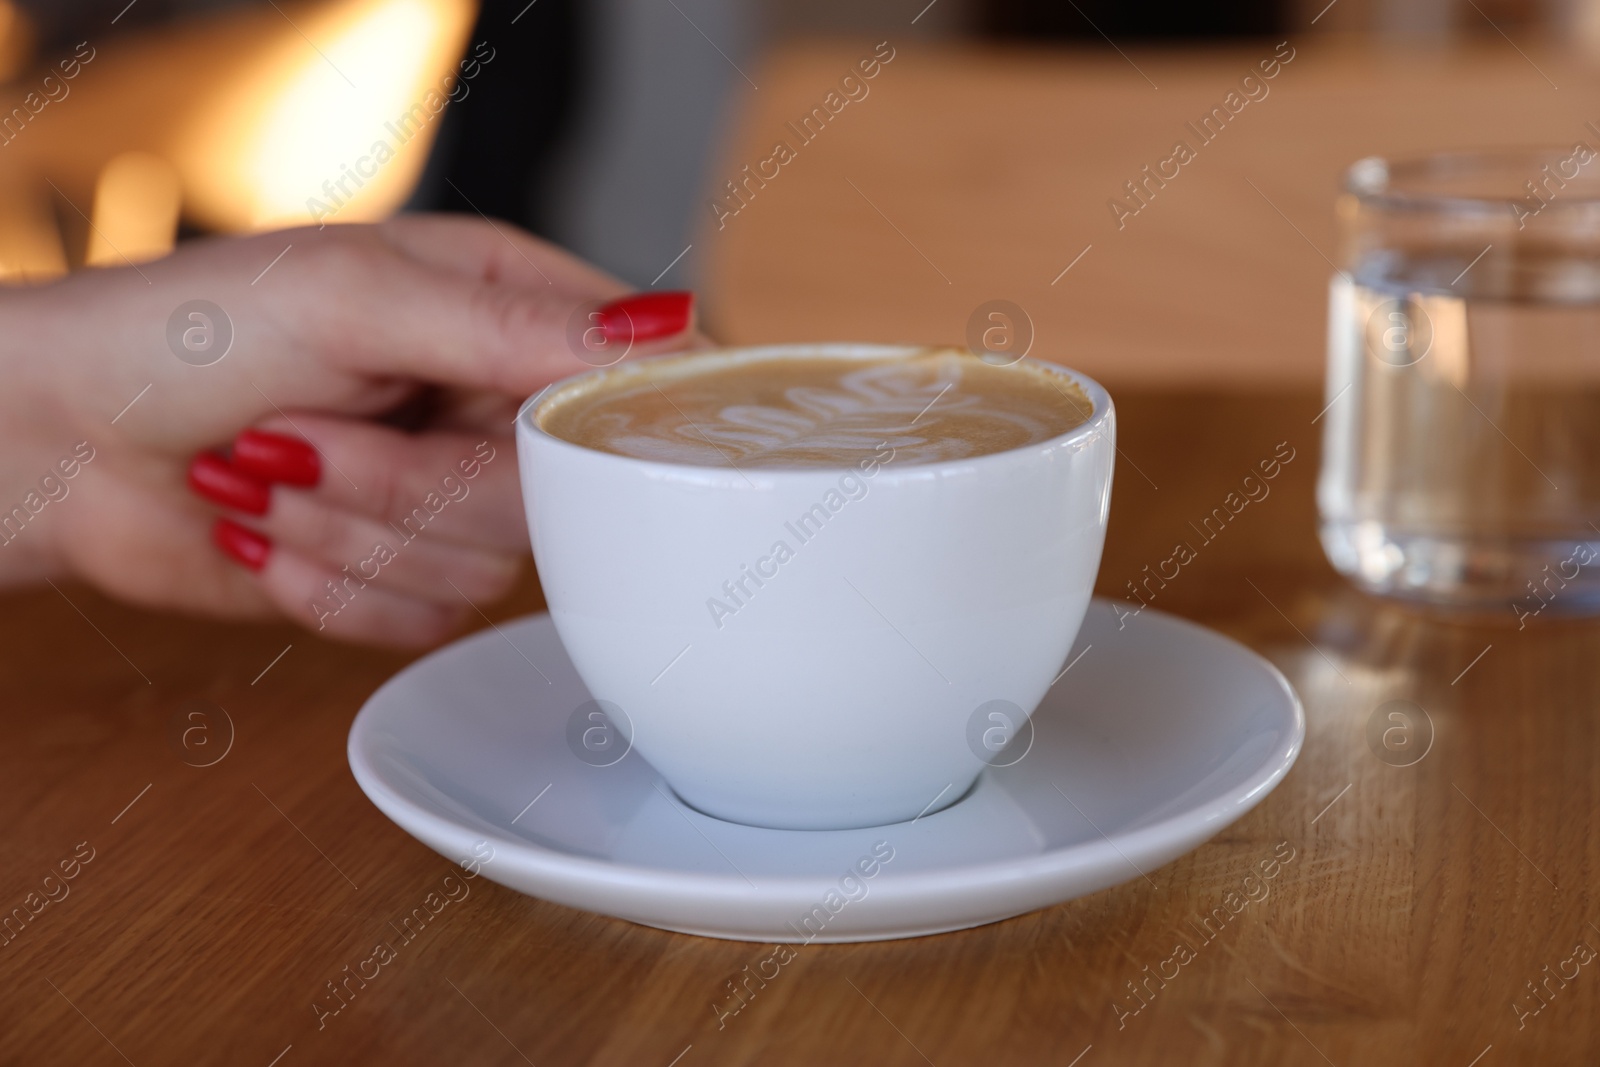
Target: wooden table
{"points": [[1420, 899], [221, 899], [967, 175]]}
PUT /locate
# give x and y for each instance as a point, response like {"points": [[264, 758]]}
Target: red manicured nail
{"points": [[247, 547], [647, 316], [221, 483], [276, 458]]}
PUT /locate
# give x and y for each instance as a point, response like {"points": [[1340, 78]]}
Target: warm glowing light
{"points": [[135, 217], [332, 126], [16, 40]]}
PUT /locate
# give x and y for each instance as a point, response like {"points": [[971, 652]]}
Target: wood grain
{"points": [[1418, 901]]}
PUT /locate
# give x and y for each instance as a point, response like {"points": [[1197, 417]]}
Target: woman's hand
{"points": [[122, 433]]}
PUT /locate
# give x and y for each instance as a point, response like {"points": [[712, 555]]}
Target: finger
{"points": [[494, 251], [163, 558], [398, 316], [365, 553], [460, 488], [300, 586]]}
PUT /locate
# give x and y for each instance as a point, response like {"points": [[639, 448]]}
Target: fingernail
{"points": [[221, 483], [647, 316], [274, 457], [248, 548]]}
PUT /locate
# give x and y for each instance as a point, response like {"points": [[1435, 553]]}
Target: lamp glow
{"points": [[135, 211], [320, 131]]}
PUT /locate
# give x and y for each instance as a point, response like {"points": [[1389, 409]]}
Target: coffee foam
{"points": [[822, 411]]}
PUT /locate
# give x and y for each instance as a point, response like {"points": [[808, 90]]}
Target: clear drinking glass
{"points": [[1461, 441]]}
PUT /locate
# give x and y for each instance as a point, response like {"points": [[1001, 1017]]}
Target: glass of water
{"points": [[1461, 437]]}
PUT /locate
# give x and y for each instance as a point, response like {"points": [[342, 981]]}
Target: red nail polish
{"points": [[647, 316], [247, 547], [274, 457], [219, 482]]}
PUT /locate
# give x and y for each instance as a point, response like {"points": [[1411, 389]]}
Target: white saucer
{"points": [[1160, 735]]}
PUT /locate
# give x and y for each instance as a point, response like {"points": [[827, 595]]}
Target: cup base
{"points": [[800, 818]]}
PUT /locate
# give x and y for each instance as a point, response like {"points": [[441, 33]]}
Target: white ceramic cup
{"points": [[835, 688]]}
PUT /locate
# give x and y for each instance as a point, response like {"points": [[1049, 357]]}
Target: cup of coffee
{"points": [[797, 574]]}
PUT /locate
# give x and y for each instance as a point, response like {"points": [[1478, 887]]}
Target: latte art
{"points": [[826, 411]]}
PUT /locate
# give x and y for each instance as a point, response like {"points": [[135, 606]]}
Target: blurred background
{"points": [[613, 126]]}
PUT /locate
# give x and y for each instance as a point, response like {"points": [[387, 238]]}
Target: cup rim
{"points": [[527, 423], [1370, 179]]}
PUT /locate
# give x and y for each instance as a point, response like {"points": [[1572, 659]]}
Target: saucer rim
{"points": [[1180, 831]]}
